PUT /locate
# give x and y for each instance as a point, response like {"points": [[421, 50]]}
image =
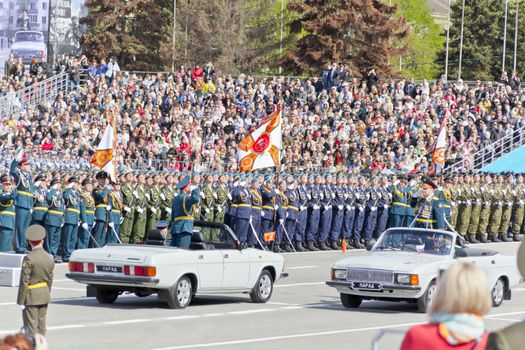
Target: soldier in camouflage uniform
{"points": [[508, 202], [221, 202], [208, 196], [519, 208], [139, 220], [496, 208], [453, 190], [476, 203], [465, 205], [166, 196], [154, 200], [128, 201], [484, 213]]}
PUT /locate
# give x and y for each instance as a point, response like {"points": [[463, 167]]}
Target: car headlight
{"points": [[408, 279], [339, 274]]}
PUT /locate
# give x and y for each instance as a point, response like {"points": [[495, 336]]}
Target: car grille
{"points": [[369, 275]]}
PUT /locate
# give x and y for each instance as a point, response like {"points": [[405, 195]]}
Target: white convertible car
{"points": [[404, 263], [214, 264]]}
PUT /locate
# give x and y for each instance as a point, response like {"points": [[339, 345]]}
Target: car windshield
{"points": [[435, 243], [29, 36], [214, 236]]}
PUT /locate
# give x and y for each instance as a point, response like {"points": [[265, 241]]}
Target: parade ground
{"points": [[303, 313]]}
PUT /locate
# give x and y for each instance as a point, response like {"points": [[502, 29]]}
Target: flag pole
{"points": [[114, 145]]}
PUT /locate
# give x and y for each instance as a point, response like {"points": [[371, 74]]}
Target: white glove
{"points": [[207, 210], [236, 183], [250, 220], [326, 207], [147, 196], [61, 225], [153, 210], [333, 195], [111, 224], [281, 221], [346, 195], [513, 192], [229, 196], [140, 210], [357, 195], [302, 208], [482, 189], [262, 213], [348, 207], [309, 196], [192, 187], [128, 209], [276, 207], [215, 195], [30, 211], [162, 196], [202, 194], [373, 208], [121, 220], [385, 206], [85, 226], [168, 210], [316, 207], [340, 207], [135, 193], [219, 210]]}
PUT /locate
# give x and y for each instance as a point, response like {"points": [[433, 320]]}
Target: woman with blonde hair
{"points": [[456, 312]]}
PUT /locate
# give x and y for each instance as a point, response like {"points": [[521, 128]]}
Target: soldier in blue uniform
{"points": [[54, 218], [338, 213], [268, 204], [430, 209], [410, 193], [231, 209], [71, 218], [314, 214], [20, 171], [360, 201], [40, 203], [292, 212], [302, 216], [281, 213], [255, 219], [183, 211], [114, 214], [399, 202], [242, 200], [87, 213], [325, 221], [383, 205], [371, 210], [7, 213], [349, 216], [101, 197]]}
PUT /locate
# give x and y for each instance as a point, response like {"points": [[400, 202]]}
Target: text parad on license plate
{"points": [[104, 268], [368, 286]]}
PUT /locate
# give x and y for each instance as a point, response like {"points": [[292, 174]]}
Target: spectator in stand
{"points": [[456, 322], [197, 73]]}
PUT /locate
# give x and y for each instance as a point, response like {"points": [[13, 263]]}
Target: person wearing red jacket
{"points": [[197, 72], [456, 312]]}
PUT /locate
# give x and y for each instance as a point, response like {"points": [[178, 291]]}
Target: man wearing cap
{"points": [[325, 221], [465, 205], [153, 196], [21, 173], [207, 200], [139, 221], [54, 218], [71, 218], [222, 199], [242, 200], [302, 217], [314, 206], [7, 213], [128, 201], [430, 212], [496, 209], [183, 211], [384, 204], [102, 207], [519, 208], [269, 201], [87, 213], [360, 200], [338, 213], [371, 210], [115, 214], [293, 212], [348, 222], [40, 205], [34, 290], [166, 196], [509, 192], [255, 233]]}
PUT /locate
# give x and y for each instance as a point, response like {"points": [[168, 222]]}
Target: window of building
{"points": [[32, 6], [44, 6], [1, 5], [10, 19], [33, 18], [11, 5], [44, 19]]}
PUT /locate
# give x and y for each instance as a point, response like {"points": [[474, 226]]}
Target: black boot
{"points": [[322, 246], [503, 238], [276, 248], [483, 238], [334, 245], [311, 247], [349, 244], [357, 244], [516, 237], [494, 238], [299, 247], [472, 238]]}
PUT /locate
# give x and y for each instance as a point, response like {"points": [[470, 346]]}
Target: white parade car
{"points": [[404, 264], [214, 264], [29, 44]]}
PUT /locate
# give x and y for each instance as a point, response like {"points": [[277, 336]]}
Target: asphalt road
{"points": [[303, 314]]}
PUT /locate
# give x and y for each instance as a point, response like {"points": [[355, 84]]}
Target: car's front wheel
{"points": [[351, 301], [498, 292], [106, 296], [263, 289], [179, 296], [424, 302]]}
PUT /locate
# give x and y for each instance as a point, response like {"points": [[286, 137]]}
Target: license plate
{"points": [[115, 269], [368, 286]]}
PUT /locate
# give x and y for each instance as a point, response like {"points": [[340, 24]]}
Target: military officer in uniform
{"points": [[36, 278], [183, 210], [21, 172], [338, 212], [139, 221], [484, 213], [496, 209], [7, 213], [269, 202], [410, 193], [348, 223], [430, 209], [71, 218], [465, 205], [54, 218], [293, 210], [255, 219], [519, 208], [453, 190], [302, 217], [325, 221], [221, 202], [360, 201], [101, 197], [128, 211], [384, 204], [508, 202], [281, 213], [166, 196], [476, 205], [242, 201], [115, 214], [39, 204], [153, 197], [208, 200], [87, 213], [371, 210]]}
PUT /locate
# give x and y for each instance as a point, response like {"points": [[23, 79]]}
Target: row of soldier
{"points": [[306, 212]]}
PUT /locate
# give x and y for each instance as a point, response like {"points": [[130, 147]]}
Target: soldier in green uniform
{"points": [[508, 203], [87, 213], [7, 213], [166, 196], [101, 197], [484, 213], [221, 202], [139, 222], [154, 200], [519, 208], [71, 218], [208, 196], [115, 214], [128, 201], [476, 203], [36, 278], [453, 190], [465, 205], [39, 204], [496, 208]]}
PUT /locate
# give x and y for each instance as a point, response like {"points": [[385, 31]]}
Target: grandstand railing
{"points": [[491, 152]]}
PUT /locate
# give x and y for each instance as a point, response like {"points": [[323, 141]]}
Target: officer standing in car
{"points": [[183, 211]]}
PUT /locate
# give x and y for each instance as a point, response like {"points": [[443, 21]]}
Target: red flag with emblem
{"points": [[438, 155]]}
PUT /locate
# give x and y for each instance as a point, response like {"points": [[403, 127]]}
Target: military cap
{"points": [[35, 233], [73, 178], [428, 183], [101, 175], [5, 179], [39, 177], [183, 183], [87, 180], [23, 162]]}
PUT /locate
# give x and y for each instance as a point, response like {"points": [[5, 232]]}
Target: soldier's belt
{"points": [[446, 206], [90, 212], [293, 208], [24, 193], [73, 210], [105, 206], [56, 212], [401, 204], [234, 205], [426, 221], [268, 207], [116, 211], [40, 208], [243, 205], [37, 285], [186, 217], [7, 213]]}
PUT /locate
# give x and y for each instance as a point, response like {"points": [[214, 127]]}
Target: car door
{"points": [[236, 269], [210, 269]]}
